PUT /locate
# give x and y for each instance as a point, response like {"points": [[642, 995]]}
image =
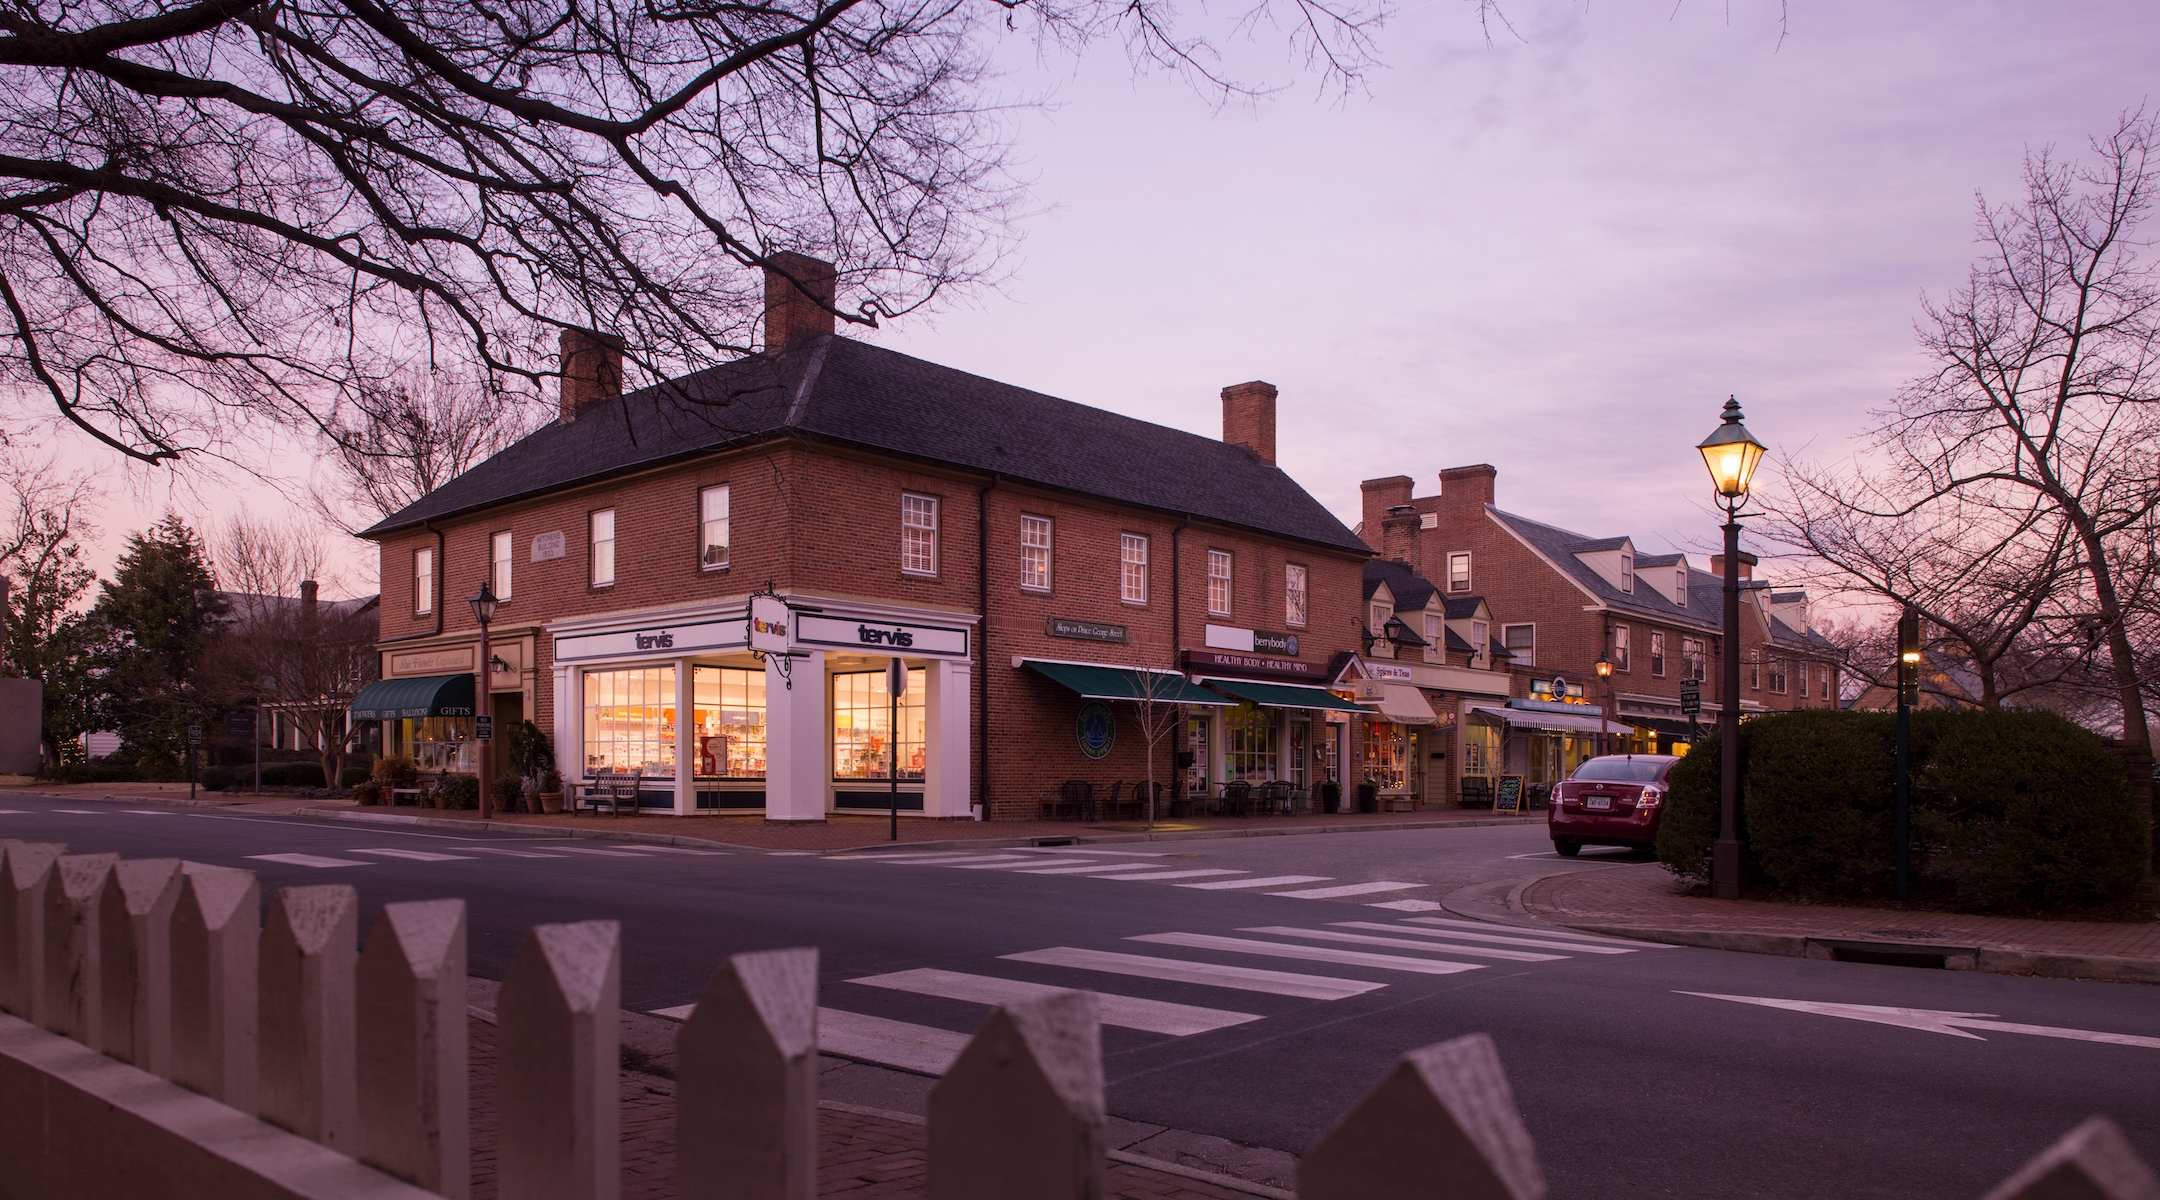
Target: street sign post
{"points": [[194, 739]]}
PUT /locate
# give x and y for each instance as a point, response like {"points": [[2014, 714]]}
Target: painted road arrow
{"points": [[1931, 1021]]}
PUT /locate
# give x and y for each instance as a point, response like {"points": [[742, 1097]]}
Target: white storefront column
{"points": [[795, 739], [946, 713], [569, 738], [685, 741]]}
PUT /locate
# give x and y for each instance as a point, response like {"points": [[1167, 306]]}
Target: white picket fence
{"points": [[172, 1043]]}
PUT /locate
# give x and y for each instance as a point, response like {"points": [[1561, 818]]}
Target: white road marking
{"points": [[1365, 939], [792, 853], [1564, 934], [310, 860], [1348, 889], [80, 812], [1357, 958], [12, 812], [947, 862], [508, 853], [149, 812], [1465, 935], [918, 1048], [1133, 853], [1024, 862], [416, 855], [1249, 979], [684, 850], [1126, 1012], [1154, 875], [1270, 881], [603, 853], [1932, 1021], [1091, 868], [1409, 905]]}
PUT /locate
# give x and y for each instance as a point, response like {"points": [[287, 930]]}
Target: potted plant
{"points": [[530, 757], [550, 791], [366, 793], [1331, 797], [1368, 797]]}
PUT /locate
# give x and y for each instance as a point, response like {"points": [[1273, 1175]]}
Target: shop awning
{"points": [[1287, 695], [1124, 683], [1524, 718], [420, 696], [1405, 705]]}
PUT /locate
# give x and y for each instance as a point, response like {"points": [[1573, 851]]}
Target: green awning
{"points": [[1286, 695], [420, 696], [1121, 683]]}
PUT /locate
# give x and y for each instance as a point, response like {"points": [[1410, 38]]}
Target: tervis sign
{"points": [[882, 637], [655, 639], [769, 620]]}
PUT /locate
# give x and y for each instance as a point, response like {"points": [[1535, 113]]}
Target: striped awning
{"points": [[419, 696]]}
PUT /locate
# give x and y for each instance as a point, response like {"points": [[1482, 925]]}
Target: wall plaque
{"points": [[1086, 631], [549, 545], [432, 662]]}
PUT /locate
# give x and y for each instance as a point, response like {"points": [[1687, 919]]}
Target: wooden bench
{"points": [[423, 790], [614, 789]]}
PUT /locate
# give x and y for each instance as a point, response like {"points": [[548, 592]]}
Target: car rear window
{"points": [[1619, 770]]}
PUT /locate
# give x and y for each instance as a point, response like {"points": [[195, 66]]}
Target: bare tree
{"points": [[1157, 710], [408, 435], [213, 209]]}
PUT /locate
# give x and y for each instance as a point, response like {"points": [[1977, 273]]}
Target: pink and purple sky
{"points": [[1557, 254]]}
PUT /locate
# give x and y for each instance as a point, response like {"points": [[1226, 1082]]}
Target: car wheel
{"points": [[1567, 849]]}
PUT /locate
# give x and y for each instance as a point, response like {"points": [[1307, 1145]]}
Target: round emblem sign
{"points": [[1291, 645], [1096, 729], [1559, 687]]}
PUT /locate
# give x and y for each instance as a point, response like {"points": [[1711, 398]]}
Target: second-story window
{"points": [[918, 535], [1627, 573], [1294, 595], [1035, 553], [1679, 587], [1521, 643], [1657, 652], [603, 547], [1754, 670], [1620, 648], [1218, 583], [1692, 659], [1777, 675], [1458, 572], [713, 527], [423, 581], [1132, 568], [1480, 651], [499, 564], [1435, 641]]}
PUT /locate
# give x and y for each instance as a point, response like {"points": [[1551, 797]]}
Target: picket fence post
{"points": [[24, 877], [135, 963], [72, 977], [412, 1075], [1441, 1122], [746, 1082], [558, 1065], [1021, 1111], [216, 937], [310, 945], [2092, 1162]]}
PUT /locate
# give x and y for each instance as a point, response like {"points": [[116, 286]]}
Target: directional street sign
{"points": [[1931, 1021], [194, 735]]}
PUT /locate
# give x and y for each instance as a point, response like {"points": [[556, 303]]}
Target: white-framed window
{"points": [[1822, 676], [1521, 642], [1777, 676], [499, 564], [1620, 649], [1379, 614], [423, 581], [918, 534], [1294, 595], [1480, 642], [713, 527], [1458, 571], [1754, 670], [1657, 652], [1035, 553], [1435, 640], [1693, 658], [603, 547], [1218, 583], [1679, 587], [1627, 572], [1132, 568]]}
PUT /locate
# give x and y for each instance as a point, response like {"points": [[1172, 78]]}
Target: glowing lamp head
{"points": [[1911, 657], [1731, 453], [1604, 669]]}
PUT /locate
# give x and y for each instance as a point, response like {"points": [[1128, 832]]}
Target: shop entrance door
{"points": [[509, 709]]}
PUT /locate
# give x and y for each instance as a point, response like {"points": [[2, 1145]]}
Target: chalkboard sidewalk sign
{"points": [[1508, 796]]}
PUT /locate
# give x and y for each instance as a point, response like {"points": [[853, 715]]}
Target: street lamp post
{"points": [[1908, 694], [1604, 672], [483, 610], [1731, 453]]}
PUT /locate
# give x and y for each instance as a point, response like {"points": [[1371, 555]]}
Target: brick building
{"points": [[1035, 563], [1561, 601]]}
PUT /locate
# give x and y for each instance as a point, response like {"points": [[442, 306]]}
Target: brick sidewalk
{"points": [[1647, 896], [860, 1156]]}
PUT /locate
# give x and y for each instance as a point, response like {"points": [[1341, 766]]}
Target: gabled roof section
{"points": [[1559, 548], [1411, 590], [1463, 608], [839, 390]]}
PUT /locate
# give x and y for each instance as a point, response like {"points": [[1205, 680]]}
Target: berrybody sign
{"points": [[880, 637]]}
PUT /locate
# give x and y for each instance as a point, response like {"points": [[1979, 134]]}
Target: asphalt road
{"points": [[1630, 1085]]}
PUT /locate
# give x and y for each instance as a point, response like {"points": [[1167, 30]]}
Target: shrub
{"points": [[397, 771], [292, 775], [551, 781], [528, 752], [509, 793], [96, 773], [214, 779], [1819, 800], [1690, 823], [354, 776], [460, 791], [367, 792]]}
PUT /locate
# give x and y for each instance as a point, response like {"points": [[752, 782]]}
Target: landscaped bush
{"points": [[1819, 796], [214, 779], [460, 791], [354, 776], [1690, 822], [292, 775], [396, 771], [367, 792], [96, 773], [509, 793]]}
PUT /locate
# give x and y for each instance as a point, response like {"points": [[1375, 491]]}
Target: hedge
{"points": [[460, 791], [2017, 811], [290, 774]]}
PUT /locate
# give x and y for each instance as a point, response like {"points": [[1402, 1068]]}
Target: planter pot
{"points": [[551, 802]]}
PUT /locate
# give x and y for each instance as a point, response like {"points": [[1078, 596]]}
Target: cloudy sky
{"points": [[1557, 253]]}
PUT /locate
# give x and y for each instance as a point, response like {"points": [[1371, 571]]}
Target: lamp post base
{"points": [[1725, 870]]}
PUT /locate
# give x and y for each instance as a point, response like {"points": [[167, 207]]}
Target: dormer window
{"points": [[1627, 572], [1679, 587]]}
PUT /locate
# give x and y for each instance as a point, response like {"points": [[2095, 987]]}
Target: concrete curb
{"points": [[2099, 967], [669, 839]]}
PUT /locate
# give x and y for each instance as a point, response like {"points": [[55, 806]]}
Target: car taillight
{"points": [[1650, 798]]}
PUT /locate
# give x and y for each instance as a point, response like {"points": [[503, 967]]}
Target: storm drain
{"points": [[1895, 954]]}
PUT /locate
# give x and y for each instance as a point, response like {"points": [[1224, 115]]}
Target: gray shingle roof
{"points": [[1410, 589], [1560, 546], [840, 390]]}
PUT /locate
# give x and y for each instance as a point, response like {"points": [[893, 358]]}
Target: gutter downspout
{"points": [[982, 670]]}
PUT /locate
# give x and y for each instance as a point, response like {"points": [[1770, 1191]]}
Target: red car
{"points": [[1612, 800]]}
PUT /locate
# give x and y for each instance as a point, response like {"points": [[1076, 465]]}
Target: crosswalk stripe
{"points": [[968, 858], [1091, 868], [1355, 958], [684, 850], [1348, 889], [1154, 875], [918, 1048], [1566, 935], [1248, 979], [603, 853], [508, 853], [1024, 862], [12, 812], [1126, 1012], [416, 855], [1270, 881], [1409, 905], [1464, 935], [80, 812], [1362, 939], [1132, 853], [310, 860], [149, 812]]}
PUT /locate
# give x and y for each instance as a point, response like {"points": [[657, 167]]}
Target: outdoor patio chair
{"points": [[1075, 798], [1274, 798], [1139, 801], [1237, 798]]}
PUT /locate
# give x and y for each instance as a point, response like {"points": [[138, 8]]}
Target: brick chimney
{"points": [[1380, 496], [789, 314], [307, 600], [1747, 565], [1468, 487], [1399, 536], [591, 370], [1248, 418]]}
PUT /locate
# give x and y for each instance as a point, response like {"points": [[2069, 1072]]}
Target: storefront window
{"points": [[1481, 749], [1251, 744], [630, 721], [1300, 734], [440, 744], [1384, 756], [1325, 751], [1196, 743], [727, 705], [862, 726]]}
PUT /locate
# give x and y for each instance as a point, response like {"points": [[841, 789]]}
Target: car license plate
{"points": [[1598, 803]]}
